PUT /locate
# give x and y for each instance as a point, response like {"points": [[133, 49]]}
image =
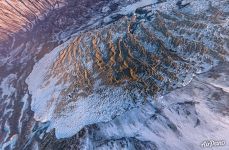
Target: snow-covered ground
{"points": [[185, 119], [182, 119], [114, 101], [179, 120], [95, 108]]}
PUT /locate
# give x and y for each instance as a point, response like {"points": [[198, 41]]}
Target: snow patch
{"points": [[131, 8], [11, 143], [6, 85], [25, 106]]}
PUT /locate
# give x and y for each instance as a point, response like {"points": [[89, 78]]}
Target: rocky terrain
{"points": [[114, 75], [23, 15]]}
